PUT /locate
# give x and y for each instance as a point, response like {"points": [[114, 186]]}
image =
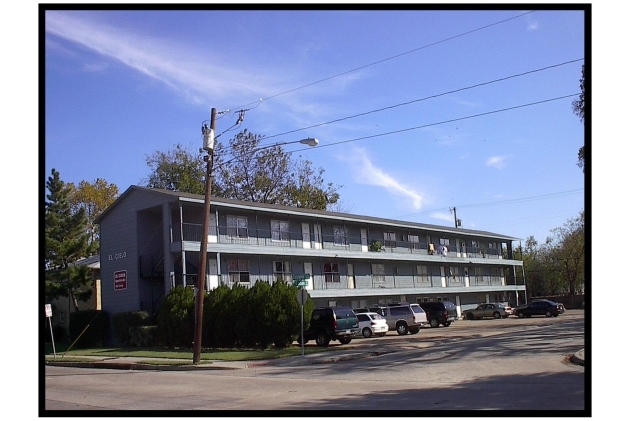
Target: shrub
{"points": [[143, 336], [90, 328], [122, 322], [176, 319]]}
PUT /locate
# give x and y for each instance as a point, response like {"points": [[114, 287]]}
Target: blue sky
{"points": [[433, 109]]}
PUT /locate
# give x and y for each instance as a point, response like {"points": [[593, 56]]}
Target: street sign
{"points": [[49, 310], [302, 296], [301, 280]]}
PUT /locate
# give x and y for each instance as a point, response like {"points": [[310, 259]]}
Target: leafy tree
{"points": [[66, 241], [578, 106], [567, 253], [181, 169], [94, 198], [244, 171]]}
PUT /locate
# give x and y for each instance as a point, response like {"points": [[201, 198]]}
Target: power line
{"points": [[426, 98], [386, 59], [442, 122]]}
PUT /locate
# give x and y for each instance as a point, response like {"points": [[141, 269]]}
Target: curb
{"points": [[137, 366]]}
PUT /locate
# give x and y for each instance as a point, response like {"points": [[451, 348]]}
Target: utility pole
{"points": [[457, 222], [209, 144]]}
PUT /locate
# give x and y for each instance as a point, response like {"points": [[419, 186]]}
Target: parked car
{"points": [[560, 306], [330, 324], [375, 308], [539, 308], [494, 310], [440, 312], [404, 318], [372, 324]]}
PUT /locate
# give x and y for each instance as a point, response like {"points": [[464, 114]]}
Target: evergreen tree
{"points": [[66, 241]]}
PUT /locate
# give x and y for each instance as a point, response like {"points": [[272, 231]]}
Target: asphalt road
{"points": [[514, 365]]}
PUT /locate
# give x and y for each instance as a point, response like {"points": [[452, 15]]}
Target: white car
{"points": [[372, 324]]}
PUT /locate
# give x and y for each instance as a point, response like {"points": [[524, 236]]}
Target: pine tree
{"points": [[66, 241]]}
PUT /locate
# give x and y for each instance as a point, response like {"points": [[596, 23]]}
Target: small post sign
{"points": [[120, 280], [301, 280], [48, 309]]}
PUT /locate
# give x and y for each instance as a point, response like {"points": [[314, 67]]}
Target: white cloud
{"points": [[533, 26], [442, 216], [498, 162], [368, 173]]}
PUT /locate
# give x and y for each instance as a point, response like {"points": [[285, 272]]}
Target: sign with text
{"points": [[120, 280]]}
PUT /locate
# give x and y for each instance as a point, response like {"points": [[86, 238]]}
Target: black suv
{"points": [[440, 312], [331, 323]]}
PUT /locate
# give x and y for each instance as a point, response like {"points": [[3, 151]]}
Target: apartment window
{"points": [[414, 242], [282, 271], [495, 275], [423, 274], [331, 272], [239, 271], [444, 241], [339, 236], [280, 230], [389, 239], [378, 274], [237, 226], [478, 275], [62, 317], [453, 274]]}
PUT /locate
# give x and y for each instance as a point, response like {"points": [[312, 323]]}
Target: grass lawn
{"points": [[187, 354]]}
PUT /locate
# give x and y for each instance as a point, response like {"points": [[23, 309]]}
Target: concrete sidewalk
{"points": [[164, 364]]}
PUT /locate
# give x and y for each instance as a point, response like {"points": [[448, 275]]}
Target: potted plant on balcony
{"points": [[376, 245]]}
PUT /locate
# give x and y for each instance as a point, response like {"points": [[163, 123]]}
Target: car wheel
{"points": [[520, 314], [447, 324], [470, 316], [434, 323], [497, 315], [322, 339], [402, 328], [367, 332], [548, 313], [414, 330], [345, 341]]}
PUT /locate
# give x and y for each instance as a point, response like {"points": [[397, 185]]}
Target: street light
{"points": [[208, 134]]}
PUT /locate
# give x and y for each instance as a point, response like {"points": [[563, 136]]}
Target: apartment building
{"points": [[150, 243]]}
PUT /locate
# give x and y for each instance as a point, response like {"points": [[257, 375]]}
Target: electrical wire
{"points": [[426, 98], [388, 58]]}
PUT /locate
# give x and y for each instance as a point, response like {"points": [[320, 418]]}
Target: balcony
{"points": [[298, 240]]}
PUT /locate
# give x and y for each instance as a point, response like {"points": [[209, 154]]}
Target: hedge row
{"points": [[234, 317]]}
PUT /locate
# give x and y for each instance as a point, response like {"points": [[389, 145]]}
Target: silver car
{"points": [[493, 310]]}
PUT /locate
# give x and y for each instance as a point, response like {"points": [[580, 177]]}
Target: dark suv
{"points": [[331, 323], [440, 312]]}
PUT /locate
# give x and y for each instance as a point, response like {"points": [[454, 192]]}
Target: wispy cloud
{"points": [[498, 162], [533, 26], [370, 174], [443, 216], [194, 74]]}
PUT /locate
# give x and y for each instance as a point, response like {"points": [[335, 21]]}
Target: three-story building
{"points": [[151, 240]]}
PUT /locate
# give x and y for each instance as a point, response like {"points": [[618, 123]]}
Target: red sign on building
{"points": [[120, 280]]}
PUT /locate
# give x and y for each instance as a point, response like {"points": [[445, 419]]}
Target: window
{"points": [[239, 271], [339, 236], [495, 275], [237, 226], [453, 274], [378, 274], [444, 241], [331, 272], [423, 274], [282, 271], [414, 242], [280, 230], [62, 317], [478, 275], [389, 239]]}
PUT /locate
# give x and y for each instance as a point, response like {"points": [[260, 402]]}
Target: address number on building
{"points": [[120, 280]]}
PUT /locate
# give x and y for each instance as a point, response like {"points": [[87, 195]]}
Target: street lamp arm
{"points": [[310, 141]]}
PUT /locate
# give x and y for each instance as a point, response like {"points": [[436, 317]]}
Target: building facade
{"points": [[151, 240]]}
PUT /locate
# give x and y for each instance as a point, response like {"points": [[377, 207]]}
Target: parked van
{"points": [[330, 324], [404, 318]]}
